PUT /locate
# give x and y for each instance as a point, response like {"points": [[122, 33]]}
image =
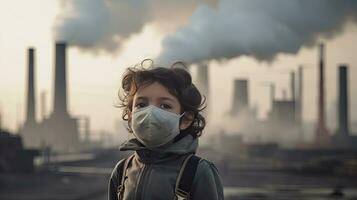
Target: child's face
{"points": [[157, 95]]}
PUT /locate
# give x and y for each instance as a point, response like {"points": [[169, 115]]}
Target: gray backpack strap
{"points": [[185, 177], [122, 176]]}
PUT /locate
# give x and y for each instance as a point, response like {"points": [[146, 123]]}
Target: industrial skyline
{"points": [[282, 126], [84, 66]]}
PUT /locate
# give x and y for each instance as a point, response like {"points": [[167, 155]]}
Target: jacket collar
{"points": [[185, 145]]}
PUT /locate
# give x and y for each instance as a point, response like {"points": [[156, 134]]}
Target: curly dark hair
{"points": [[177, 80]]}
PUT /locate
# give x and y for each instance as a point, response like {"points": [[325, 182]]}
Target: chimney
{"points": [[240, 96], [31, 109], [293, 93], [322, 135], [343, 119], [300, 94], [60, 96], [43, 105], [202, 79], [292, 85], [202, 83]]}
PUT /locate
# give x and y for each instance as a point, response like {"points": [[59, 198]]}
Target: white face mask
{"points": [[155, 127]]}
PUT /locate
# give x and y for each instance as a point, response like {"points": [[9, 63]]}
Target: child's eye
{"points": [[140, 105], [165, 106]]}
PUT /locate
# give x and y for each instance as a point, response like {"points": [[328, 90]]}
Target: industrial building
{"points": [[13, 156], [60, 130]]}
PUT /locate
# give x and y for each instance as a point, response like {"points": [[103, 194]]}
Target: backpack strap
{"points": [[185, 177], [121, 170]]}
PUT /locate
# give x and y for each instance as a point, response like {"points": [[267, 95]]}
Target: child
{"points": [[163, 110]]}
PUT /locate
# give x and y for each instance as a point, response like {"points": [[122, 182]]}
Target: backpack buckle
{"points": [[120, 191], [178, 197], [181, 195]]}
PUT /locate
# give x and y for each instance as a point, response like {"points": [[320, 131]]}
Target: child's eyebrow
{"points": [[160, 98], [142, 98], [167, 98]]}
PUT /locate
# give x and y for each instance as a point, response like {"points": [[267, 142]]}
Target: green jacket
{"points": [[152, 173]]}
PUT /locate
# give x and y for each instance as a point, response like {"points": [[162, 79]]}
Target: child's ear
{"points": [[187, 120]]}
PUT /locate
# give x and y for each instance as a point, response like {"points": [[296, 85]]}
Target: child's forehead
{"points": [[154, 90], [152, 87]]}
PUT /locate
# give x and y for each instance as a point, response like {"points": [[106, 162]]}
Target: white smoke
{"points": [[96, 25], [256, 28], [100, 24]]}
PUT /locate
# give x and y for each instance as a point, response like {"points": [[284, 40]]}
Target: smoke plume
{"points": [[97, 25], [256, 28]]}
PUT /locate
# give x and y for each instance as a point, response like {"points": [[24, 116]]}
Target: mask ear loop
{"points": [[180, 135], [181, 118], [182, 114]]}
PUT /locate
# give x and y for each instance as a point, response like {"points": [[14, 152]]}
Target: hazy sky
{"points": [[94, 78]]}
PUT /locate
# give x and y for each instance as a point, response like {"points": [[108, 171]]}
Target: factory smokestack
{"points": [[321, 134], [300, 95], [60, 90], [343, 119], [292, 85], [240, 96], [30, 129], [293, 92], [31, 105], [202, 83], [61, 130], [43, 105], [203, 79]]}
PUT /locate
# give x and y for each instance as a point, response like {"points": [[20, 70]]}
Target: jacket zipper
{"points": [[141, 182]]}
